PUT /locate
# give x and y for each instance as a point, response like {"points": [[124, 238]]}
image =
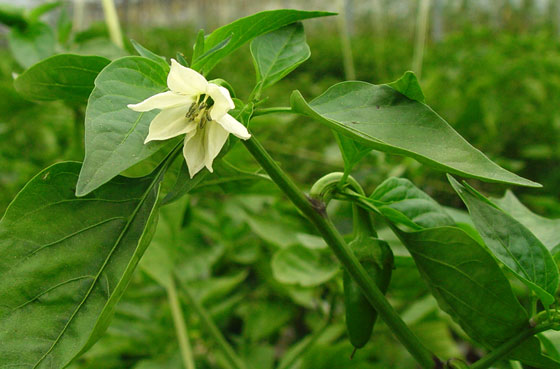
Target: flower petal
{"points": [[162, 100], [194, 151], [216, 137], [231, 125], [185, 80], [169, 123], [222, 101]]}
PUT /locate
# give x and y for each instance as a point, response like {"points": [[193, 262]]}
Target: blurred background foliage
{"points": [[493, 72]]}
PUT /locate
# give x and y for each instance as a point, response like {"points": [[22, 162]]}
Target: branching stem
{"points": [[315, 212]]}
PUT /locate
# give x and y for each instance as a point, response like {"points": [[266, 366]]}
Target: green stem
{"points": [[279, 109], [210, 326], [180, 326], [112, 20], [314, 210]]}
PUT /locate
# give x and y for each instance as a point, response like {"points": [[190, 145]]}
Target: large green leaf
{"points": [[382, 118], [467, 282], [61, 77], [244, 30], [114, 133], [512, 243], [66, 261], [303, 266], [278, 53], [403, 196], [546, 230]]}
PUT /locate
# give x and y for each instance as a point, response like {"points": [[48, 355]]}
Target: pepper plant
{"points": [[157, 130]]}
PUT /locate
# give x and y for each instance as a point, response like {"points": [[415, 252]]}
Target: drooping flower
{"points": [[196, 108]]}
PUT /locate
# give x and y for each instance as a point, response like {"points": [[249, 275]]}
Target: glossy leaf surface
{"points": [[382, 118], [402, 195], [61, 77], [66, 261], [115, 134], [512, 243]]}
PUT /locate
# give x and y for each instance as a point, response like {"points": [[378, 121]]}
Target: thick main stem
{"points": [[180, 326], [315, 212]]}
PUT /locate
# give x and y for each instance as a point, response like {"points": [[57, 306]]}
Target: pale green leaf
{"points": [[31, 44], [302, 266]]}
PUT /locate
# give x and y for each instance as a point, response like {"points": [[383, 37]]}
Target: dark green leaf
{"points": [[279, 52], [61, 77], [529, 352], [546, 230], [66, 261], [245, 29], [12, 16], [512, 243], [468, 283], [382, 118], [114, 133], [32, 44]]}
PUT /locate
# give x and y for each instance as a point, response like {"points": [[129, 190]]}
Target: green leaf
{"points": [[546, 230], [380, 117], [34, 14], [61, 77], [408, 86], [402, 195], [12, 16], [66, 261], [245, 29], [303, 266], [198, 47], [512, 243], [114, 133], [529, 352], [351, 150], [149, 54], [279, 52], [32, 44], [468, 283]]}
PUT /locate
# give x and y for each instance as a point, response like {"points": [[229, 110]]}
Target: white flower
{"points": [[196, 108]]}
